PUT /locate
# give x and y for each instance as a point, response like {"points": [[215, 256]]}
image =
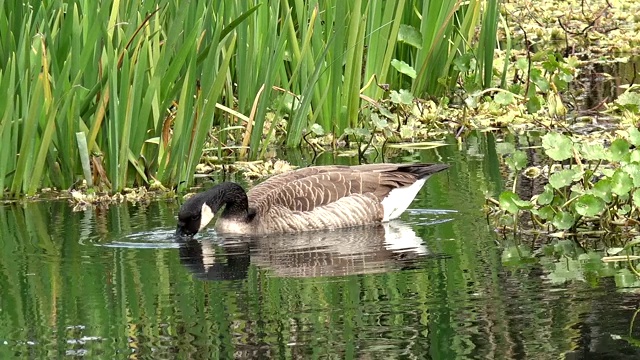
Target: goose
{"points": [[312, 198]]}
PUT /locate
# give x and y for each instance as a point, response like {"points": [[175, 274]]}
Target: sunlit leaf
{"points": [[401, 97], [563, 220], [634, 171], [404, 68], [589, 205], [504, 98], [624, 278], [629, 100], [503, 148], [621, 183], [545, 197], [512, 203], [624, 209], [619, 150], [557, 146], [410, 35], [317, 129], [517, 161], [593, 151], [602, 189], [562, 178], [634, 136], [636, 199], [378, 121], [545, 212]]}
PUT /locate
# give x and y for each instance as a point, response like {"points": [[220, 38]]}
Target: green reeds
{"points": [[143, 80], [111, 71]]}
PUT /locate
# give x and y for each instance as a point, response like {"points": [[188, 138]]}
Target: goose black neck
{"points": [[234, 199]]}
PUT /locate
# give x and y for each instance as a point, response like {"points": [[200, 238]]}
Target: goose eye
{"points": [[195, 217]]}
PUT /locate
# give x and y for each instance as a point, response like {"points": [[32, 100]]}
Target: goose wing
{"points": [[308, 188]]}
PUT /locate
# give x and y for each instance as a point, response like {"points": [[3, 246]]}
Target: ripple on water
{"points": [[160, 238]]}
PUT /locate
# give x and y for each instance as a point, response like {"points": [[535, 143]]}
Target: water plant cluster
{"points": [[585, 187]]}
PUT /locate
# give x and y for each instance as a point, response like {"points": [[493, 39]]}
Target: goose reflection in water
{"points": [[358, 250]]}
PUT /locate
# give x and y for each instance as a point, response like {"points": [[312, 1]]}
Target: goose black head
{"points": [[200, 209], [195, 214]]}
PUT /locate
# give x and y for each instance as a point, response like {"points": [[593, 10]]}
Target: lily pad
{"points": [[602, 189], [621, 183], [504, 98], [634, 136], [619, 150], [589, 205], [557, 146], [634, 171], [546, 197], [512, 203], [563, 220], [562, 178], [593, 151], [518, 160], [402, 97]]}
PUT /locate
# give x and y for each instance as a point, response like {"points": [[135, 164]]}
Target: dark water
{"points": [[113, 283]]}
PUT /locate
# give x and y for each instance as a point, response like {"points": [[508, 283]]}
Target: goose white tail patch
{"points": [[400, 237], [399, 199], [206, 215]]}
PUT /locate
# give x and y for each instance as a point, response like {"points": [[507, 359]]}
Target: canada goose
{"points": [[312, 198]]}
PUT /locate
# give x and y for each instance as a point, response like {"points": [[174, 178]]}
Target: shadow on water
{"points": [[114, 283]]}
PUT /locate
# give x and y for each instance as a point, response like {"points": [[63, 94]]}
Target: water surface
{"points": [[114, 283]]}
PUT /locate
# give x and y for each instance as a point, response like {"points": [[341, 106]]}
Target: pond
{"points": [[113, 283]]}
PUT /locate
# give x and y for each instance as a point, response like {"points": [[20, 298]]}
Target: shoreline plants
{"points": [[122, 94]]}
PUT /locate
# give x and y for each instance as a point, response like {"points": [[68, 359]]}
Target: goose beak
{"points": [[181, 231]]}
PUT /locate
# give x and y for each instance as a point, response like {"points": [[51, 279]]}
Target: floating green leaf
{"points": [[602, 189], [634, 171], [629, 100], [546, 197], [619, 150], [589, 205], [504, 98], [621, 183], [562, 178], [557, 146], [545, 212], [517, 161], [512, 203], [563, 220], [634, 136], [593, 151], [402, 97], [636, 199], [516, 255]]}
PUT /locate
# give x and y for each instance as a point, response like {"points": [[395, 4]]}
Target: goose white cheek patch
{"points": [[206, 215]]}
